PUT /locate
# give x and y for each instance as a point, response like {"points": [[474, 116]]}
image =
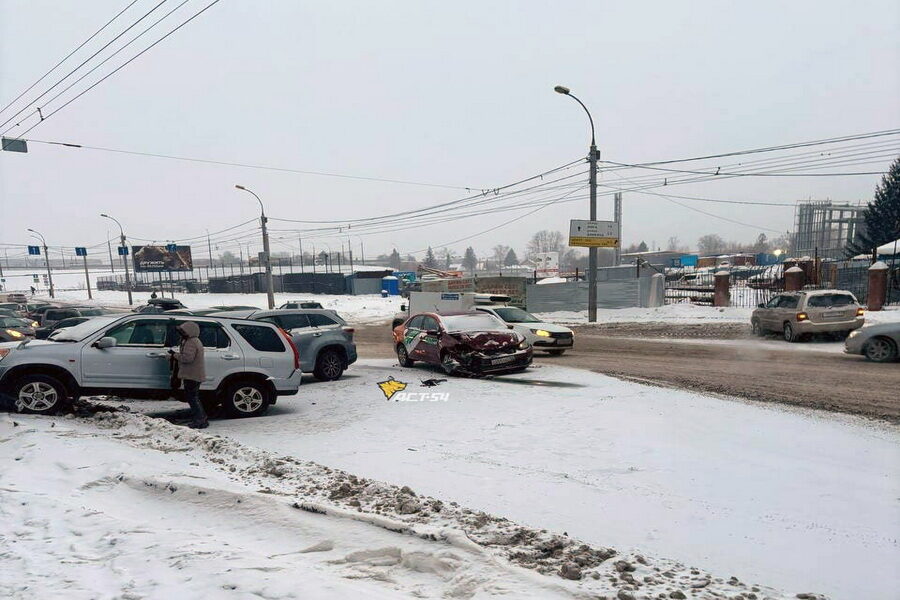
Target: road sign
{"points": [[171, 247], [79, 251], [593, 234], [123, 250], [34, 250], [14, 145], [546, 264]]}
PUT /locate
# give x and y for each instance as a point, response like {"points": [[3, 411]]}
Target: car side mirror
{"points": [[105, 342], [510, 327]]}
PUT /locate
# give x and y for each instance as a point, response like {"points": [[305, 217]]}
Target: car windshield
{"points": [[79, 332], [826, 300], [12, 322], [511, 314], [473, 322]]}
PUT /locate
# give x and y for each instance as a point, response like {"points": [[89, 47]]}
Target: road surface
{"points": [[731, 363]]}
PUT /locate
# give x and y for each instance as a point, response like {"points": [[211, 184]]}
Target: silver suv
{"points": [[247, 364], [324, 339], [797, 315]]}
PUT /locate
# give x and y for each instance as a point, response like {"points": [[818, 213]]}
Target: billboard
{"points": [[156, 259], [547, 264]]}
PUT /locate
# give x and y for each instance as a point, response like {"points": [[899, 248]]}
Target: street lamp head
{"points": [[31, 230], [239, 186], [104, 215], [561, 89]]}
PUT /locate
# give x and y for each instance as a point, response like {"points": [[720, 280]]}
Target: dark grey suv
{"points": [[324, 339]]}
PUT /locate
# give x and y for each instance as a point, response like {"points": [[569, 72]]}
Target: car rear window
{"points": [[11, 322], [826, 300], [90, 312], [53, 315], [289, 321], [317, 320], [260, 337]]}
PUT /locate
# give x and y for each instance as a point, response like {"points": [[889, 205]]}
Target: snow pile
{"points": [[683, 312], [320, 490]]}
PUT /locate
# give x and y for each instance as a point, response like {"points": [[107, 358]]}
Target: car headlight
{"points": [[523, 344], [15, 334], [541, 332], [35, 324], [853, 334]]}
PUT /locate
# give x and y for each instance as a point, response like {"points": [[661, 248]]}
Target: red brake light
{"points": [[349, 330], [290, 342]]}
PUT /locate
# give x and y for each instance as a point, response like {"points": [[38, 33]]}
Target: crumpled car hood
{"points": [[488, 340]]}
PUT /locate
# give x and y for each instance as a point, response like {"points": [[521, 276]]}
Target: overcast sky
{"points": [[457, 93]]}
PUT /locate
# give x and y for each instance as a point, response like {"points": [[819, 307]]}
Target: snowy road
{"points": [[802, 501]]}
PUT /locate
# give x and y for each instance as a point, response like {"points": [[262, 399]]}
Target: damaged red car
{"points": [[461, 343]]}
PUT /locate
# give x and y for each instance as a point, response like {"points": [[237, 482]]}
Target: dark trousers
{"points": [[192, 395]]}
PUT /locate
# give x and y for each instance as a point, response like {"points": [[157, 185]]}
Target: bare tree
{"points": [[711, 244], [499, 253], [545, 241]]}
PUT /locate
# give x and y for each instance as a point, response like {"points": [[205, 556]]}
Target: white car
{"points": [[555, 339]]}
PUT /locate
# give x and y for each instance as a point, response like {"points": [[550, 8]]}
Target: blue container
{"points": [[689, 260], [391, 285]]}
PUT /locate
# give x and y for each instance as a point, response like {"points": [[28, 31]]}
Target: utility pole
{"points": [[87, 275], [124, 252], [270, 287], [592, 251], [112, 263], [301, 254], [209, 249], [46, 261], [617, 212]]}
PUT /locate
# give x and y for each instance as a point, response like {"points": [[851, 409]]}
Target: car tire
{"points": [[789, 334], [329, 366], [39, 395], [449, 366], [756, 329], [246, 398], [880, 350], [556, 352], [403, 356]]}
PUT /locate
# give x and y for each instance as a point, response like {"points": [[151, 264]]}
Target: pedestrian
{"points": [[152, 295], [33, 290], [192, 370]]}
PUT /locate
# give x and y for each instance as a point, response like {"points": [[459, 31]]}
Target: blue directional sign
{"points": [[80, 251], [34, 250], [171, 247], [123, 250]]}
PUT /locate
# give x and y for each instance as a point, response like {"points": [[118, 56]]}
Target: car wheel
{"points": [[756, 328], [449, 365], [246, 399], [789, 335], [556, 352], [403, 356], [39, 394], [329, 366], [880, 349]]}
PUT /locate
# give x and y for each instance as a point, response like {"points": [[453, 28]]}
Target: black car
{"points": [[42, 333], [160, 305], [14, 329]]}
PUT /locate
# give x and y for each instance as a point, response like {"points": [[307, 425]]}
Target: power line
{"points": [[67, 56], [125, 64]]}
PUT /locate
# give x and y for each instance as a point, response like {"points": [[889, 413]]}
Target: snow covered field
{"points": [[798, 500]]}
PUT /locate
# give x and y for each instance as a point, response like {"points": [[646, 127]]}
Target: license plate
{"points": [[503, 360], [833, 314], [565, 342]]}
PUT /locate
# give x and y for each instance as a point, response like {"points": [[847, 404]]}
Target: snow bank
{"points": [[683, 313], [171, 512]]}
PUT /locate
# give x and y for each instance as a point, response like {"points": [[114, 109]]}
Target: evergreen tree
{"points": [[511, 259], [881, 220], [470, 261], [430, 261], [394, 261]]}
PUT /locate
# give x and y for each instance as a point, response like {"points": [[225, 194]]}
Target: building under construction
{"points": [[823, 228]]}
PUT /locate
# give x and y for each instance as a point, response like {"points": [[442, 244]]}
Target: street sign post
{"points": [[593, 234], [34, 250], [82, 252]]}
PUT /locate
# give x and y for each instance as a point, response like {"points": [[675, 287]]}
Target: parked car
{"points": [[6, 312], [324, 339], [293, 304], [53, 315], [555, 339], [37, 313], [16, 297], [878, 343], [42, 333], [17, 329], [797, 315], [159, 305], [247, 364], [461, 343], [14, 307]]}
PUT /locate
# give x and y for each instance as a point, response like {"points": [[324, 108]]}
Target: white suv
{"points": [[248, 364]]}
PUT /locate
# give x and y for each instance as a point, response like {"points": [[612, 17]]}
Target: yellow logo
{"points": [[390, 387]]}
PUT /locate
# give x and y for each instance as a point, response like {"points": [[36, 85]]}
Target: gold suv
{"points": [[797, 315]]}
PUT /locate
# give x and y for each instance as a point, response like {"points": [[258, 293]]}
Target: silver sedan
{"points": [[878, 343]]}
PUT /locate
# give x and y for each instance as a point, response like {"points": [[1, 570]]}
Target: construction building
{"points": [[823, 228]]}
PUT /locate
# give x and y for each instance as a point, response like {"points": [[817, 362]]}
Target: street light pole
{"points": [[124, 252], [270, 286], [47, 261], [592, 251]]}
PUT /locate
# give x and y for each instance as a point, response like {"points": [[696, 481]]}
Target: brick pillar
{"points": [[878, 273], [794, 278], [721, 294]]}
